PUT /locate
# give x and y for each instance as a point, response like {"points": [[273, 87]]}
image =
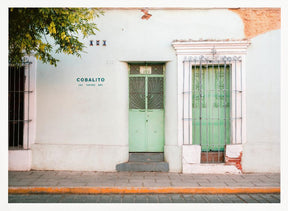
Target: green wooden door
{"points": [[211, 107], [146, 112]]}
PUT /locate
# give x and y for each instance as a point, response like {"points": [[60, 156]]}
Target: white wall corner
{"points": [[234, 151], [191, 154], [20, 160], [173, 157]]}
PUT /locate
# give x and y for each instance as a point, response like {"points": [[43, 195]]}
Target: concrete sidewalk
{"points": [[140, 182]]}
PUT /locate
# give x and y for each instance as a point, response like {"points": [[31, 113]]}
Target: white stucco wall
{"points": [[19, 160], [95, 119], [261, 153]]}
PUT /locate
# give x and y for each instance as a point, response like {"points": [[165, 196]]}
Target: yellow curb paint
{"points": [[141, 190]]}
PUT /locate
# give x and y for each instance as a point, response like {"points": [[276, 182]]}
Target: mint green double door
{"points": [[146, 113]]}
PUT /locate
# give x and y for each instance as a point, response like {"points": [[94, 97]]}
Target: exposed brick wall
{"points": [[234, 161], [259, 20]]}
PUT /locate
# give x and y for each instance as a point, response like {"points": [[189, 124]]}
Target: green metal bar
{"points": [[189, 95], [235, 94], [142, 75], [241, 100], [225, 103], [146, 112], [164, 99], [183, 95], [207, 106], [200, 97]]}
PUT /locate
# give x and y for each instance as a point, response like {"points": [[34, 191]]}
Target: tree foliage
{"points": [[29, 29]]}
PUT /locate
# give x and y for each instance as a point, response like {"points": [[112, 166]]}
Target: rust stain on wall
{"points": [[259, 20]]}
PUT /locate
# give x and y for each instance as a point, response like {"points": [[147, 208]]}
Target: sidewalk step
{"points": [[143, 166], [146, 157]]}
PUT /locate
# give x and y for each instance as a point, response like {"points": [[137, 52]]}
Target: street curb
{"points": [[141, 190]]}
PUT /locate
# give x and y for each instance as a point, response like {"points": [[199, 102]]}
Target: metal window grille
{"points": [[212, 105], [18, 100]]}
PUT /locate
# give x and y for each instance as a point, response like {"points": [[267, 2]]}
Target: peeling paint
{"points": [[259, 20], [146, 15], [234, 161]]}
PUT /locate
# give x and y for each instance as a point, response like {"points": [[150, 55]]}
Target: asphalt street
{"points": [[144, 198]]}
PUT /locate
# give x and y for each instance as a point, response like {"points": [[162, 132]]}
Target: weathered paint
{"points": [[71, 117], [259, 20], [233, 155], [261, 153], [141, 190], [234, 161], [191, 160], [146, 15], [84, 117], [20, 160]]}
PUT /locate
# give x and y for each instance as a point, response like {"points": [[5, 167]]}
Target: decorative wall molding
{"points": [[189, 53], [217, 47]]}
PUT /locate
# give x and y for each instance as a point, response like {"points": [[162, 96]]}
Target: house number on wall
{"points": [[145, 69], [97, 42]]}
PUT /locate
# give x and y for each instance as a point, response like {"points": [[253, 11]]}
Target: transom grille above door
{"points": [[212, 105]]}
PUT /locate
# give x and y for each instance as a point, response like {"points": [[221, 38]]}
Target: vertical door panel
{"points": [[137, 114], [155, 131], [137, 131], [155, 114]]}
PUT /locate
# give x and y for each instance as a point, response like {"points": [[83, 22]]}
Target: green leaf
{"points": [[28, 28]]}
